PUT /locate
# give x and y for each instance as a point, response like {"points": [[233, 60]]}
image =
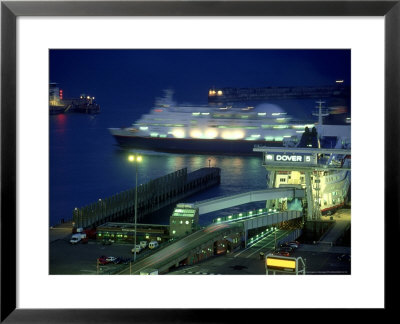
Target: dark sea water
{"points": [[86, 164]]}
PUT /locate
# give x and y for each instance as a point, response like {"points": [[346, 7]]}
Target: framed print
{"points": [[158, 44]]}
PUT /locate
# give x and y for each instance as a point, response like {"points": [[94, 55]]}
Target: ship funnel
{"points": [[166, 100]]}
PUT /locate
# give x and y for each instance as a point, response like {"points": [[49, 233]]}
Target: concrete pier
{"points": [[152, 196]]}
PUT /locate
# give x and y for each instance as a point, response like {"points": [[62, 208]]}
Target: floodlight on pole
{"points": [[136, 159]]}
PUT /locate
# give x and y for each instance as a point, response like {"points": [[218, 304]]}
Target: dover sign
{"points": [[288, 158], [291, 158]]}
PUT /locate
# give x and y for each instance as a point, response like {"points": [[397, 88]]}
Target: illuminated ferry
{"points": [[207, 129]]}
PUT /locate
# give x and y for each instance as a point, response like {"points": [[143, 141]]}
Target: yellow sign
{"points": [[281, 263]]}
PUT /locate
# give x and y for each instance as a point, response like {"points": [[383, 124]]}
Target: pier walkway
{"points": [[211, 205], [152, 196]]}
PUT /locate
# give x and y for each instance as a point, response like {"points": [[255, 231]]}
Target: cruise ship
{"points": [[225, 129]]}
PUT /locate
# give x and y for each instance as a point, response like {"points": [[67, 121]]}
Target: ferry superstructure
{"points": [[207, 129], [325, 172]]}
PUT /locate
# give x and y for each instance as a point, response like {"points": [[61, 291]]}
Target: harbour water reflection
{"points": [[86, 165]]}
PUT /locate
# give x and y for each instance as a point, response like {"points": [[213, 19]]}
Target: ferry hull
{"points": [[195, 146]]}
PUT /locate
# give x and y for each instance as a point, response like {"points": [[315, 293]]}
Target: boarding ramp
{"points": [[215, 204], [270, 219], [263, 219]]}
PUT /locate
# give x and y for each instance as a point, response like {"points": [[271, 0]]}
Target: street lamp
{"points": [[136, 159]]}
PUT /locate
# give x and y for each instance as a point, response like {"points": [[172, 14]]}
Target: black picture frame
{"points": [[10, 10]]}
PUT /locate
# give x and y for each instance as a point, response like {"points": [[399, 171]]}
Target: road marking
{"points": [[266, 245], [153, 259], [213, 229], [89, 271], [241, 252]]}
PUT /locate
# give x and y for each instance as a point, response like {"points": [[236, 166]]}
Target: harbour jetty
{"points": [[60, 105], [224, 95], [151, 196]]}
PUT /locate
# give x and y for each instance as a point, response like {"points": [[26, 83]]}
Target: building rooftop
{"points": [[184, 212]]}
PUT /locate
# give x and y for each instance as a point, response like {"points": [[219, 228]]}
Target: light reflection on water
{"points": [[85, 165], [236, 172]]}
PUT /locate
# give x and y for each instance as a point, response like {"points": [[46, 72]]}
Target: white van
{"points": [[153, 244], [138, 249], [76, 238]]}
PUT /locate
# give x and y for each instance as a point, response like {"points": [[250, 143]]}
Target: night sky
{"points": [[116, 77]]}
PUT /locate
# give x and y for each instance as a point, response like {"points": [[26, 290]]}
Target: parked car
{"points": [[153, 244], [138, 248], [292, 244], [286, 249], [143, 244], [76, 238], [110, 259], [283, 253], [103, 260]]}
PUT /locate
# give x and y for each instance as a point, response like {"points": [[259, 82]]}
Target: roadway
{"points": [[265, 245], [183, 246], [342, 219], [247, 261], [242, 262]]}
